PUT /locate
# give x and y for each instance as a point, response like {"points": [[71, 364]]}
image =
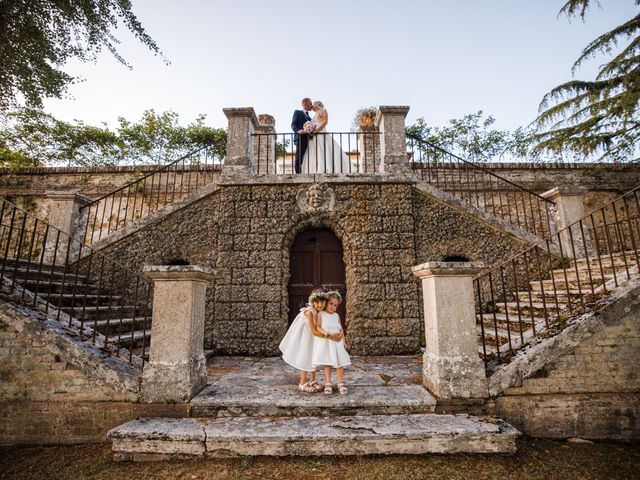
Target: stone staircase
{"points": [[84, 300], [550, 302], [255, 408]]}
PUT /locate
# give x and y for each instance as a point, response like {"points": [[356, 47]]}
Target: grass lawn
{"points": [[536, 459]]}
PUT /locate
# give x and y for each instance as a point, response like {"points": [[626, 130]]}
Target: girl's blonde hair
{"points": [[334, 294]]}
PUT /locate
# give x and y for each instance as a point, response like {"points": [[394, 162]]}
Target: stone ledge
{"points": [[291, 179], [354, 435]]}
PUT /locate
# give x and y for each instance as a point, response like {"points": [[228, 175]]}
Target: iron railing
{"points": [[49, 271], [335, 152], [151, 192], [481, 188], [534, 294]]}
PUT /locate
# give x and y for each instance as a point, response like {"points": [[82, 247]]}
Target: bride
{"points": [[324, 154]]}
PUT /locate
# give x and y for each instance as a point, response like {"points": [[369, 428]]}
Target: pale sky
{"points": [[443, 58]]}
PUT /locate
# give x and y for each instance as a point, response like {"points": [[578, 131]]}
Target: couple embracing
{"points": [[316, 150], [316, 339]]}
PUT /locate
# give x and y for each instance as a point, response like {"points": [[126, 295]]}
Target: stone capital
{"points": [[448, 269], [395, 110], [557, 192], [177, 273], [238, 112], [71, 196]]}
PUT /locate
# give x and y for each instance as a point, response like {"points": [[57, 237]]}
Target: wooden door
{"points": [[316, 261]]}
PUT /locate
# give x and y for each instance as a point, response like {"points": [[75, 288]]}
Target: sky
{"points": [[443, 58]]}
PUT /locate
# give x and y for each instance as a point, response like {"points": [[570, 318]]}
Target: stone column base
{"points": [[174, 382], [454, 377]]}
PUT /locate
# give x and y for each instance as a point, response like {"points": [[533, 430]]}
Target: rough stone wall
{"points": [[245, 232], [594, 392], [29, 370], [45, 398], [441, 232]]}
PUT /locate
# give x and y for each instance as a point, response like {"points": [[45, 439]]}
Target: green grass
{"points": [[536, 459]]}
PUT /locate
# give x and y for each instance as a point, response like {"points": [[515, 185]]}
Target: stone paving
{"points": [[245, 386], [252, 406]]}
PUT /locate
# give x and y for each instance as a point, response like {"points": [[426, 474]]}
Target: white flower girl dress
{"points": [[330, 352], [297, 344]]}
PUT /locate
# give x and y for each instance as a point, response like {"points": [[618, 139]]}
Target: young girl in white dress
{"points": [[328, 353], [297, 344]]}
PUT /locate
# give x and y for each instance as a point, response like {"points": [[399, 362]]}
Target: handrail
{"points": [[481, 188], [533, 293], [107, 303], [143, 196], [133, 182], [480, 167]]}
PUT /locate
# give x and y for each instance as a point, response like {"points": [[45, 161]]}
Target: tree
{"points": [[39, 36], [598, 117], [30, 137], [473, 138]]}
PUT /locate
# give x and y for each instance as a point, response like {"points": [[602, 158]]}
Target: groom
{"points": [[301, 139]]}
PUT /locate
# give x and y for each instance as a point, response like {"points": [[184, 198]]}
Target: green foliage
{"points": [[40, 36], [30, 137], [474, 138], [596, 118], [364, 116]]}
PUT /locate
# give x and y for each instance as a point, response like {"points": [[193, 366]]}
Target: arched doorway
{"points": [[315, 261]]}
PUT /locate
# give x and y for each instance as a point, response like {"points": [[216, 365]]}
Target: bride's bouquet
{"points": [[309, 127]]}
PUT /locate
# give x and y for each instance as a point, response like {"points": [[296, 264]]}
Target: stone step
{"points": [[127, 338], [537, 308], [583, 274], [102, 312], [45, 286], [79, 300], [560, 284], [166, 438], [500, 320], [32, 273], [10, 263], [617, 257], [550, 295], [104, 324], [263, 397]]}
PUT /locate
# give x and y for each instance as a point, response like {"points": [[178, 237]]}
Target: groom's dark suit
{"points": [[301, 141]]}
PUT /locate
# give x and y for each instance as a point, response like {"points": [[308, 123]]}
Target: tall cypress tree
{"points": [[598, 118]]}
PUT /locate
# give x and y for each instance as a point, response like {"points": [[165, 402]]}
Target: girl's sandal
{"points": [[328, 389], [342, 389], [316, 386], [306, 388]]}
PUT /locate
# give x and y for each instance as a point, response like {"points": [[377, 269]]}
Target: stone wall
{"points": [[48, 396], [97, 181], [593, 392], [245, 232]]}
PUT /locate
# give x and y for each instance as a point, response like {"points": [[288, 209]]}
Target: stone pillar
{"points": [[177, 367], [242, 124], [451, 366], [369, 146], [390, 121], [264, 146], [569, 209], [63, 212]]}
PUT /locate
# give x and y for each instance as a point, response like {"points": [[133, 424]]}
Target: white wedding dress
{"points": [[324, 154]]}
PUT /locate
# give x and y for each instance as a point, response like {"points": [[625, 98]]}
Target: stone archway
{"points": [[316, 260]]}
